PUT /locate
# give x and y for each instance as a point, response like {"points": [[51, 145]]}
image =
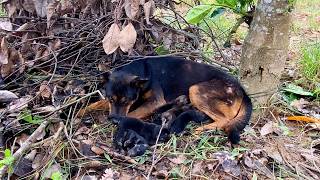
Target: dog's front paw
{"points": [[115, 119], [138, 150]]}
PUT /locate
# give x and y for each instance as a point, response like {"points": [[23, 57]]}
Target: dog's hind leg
{"points": [[217, 99]]}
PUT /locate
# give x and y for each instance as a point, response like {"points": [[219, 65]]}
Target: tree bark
{"points": [[265, 49]]}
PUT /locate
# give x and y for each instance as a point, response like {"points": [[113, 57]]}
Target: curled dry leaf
{"points": [[45, 91], [148, 9], [131, 8], [178, 160], [127, 38], [7, 96], [4, 51], [110, 41], [267, 128]]}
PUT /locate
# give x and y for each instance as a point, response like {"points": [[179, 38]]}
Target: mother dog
{"points": [[138, 88]]}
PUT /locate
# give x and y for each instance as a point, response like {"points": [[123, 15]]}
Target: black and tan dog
{"points": [[142, 86]]}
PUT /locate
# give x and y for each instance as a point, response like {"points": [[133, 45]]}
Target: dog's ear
{"points": [[105, 76], [139, 82]]}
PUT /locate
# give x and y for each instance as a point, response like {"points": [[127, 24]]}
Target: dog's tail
{"points": [[238, 123]]}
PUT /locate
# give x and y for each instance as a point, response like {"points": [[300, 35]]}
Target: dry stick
{"points": [[25, 146], [154, 152]]}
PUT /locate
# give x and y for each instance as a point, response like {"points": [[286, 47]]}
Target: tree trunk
{"points": [[265, 49]]}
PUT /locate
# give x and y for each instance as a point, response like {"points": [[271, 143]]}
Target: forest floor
{"points": [[271, 146]]}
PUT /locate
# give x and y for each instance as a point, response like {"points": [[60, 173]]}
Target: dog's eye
{"points": [[123, 100], [111, 100]]}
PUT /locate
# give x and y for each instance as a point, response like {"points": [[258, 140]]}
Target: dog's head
{"points": [[122, 90]]}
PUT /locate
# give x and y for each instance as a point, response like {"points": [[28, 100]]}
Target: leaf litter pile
{"points": [[52, 54]]}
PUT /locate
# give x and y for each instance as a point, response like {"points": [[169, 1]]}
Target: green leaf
{"points": [[198, 13], [297, 90], [8, 159], [56, 176], [27, 116], [230, 3], [108, 157], [217, 12], [7, 153], [160, 50]]}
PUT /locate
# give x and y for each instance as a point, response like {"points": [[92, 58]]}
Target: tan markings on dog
{"points": [[147, 108], [114, 98], [221, 106], [127, 108], [102, 105], [147, 95]]}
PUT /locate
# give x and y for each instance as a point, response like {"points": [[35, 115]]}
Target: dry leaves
{"points": [[110, 40], [4, 51], [148, 9], [127, 38], [115, 38], [178, 160], [7, 96], [131, 8]]}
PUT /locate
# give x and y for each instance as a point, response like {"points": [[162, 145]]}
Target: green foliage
{"points": [[297, 90], [161, 50], [7, 160], [310, 62], [310, 67], [197, 13], [28, 117], [108, 158], [56, 176]]}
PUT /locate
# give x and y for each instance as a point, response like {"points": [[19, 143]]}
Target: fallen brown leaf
{"points": [[110, 41], [131, 8], [45, 91], [148, 9], [4, 51], [178, 160], [267, 128], [127, 38], [7, 96], [97, 150]]}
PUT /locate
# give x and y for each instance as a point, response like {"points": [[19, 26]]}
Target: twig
{"points": [[154, 152], [116, 155], [25, 146]]}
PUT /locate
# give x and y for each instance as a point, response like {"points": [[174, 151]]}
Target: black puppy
{"points": [[134, 135]]}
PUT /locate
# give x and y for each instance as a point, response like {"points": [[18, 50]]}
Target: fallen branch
{"points": [[25, 146]]}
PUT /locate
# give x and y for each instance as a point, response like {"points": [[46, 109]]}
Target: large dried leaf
{"points": [[4, 52], [110, 41], [7, 96], [5, 25], [132, 8], [127, 38], [148, 9]]}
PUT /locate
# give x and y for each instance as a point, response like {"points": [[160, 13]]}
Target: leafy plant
{"points": [[212, 9], [7, 160], [28, 117], [297, 90]]}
